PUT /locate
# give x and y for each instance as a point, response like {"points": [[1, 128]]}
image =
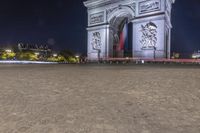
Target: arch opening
{"points": [[122, 33]]}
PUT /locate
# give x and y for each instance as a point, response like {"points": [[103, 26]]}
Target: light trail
{"points": [[25, 62]]}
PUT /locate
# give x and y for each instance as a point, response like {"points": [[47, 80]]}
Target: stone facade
{"points": [[151, 23]]}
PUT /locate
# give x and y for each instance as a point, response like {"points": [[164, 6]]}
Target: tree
{"points": [[7, 55], [58, 58], [27, 55], [69, 56], [67, 53]]}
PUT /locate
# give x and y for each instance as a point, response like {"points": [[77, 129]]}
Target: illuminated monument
{"points": [[149, 25]]}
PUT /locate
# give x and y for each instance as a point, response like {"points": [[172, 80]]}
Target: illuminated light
{"points": [[55, 55], [25, 62], [8, 50], [37, 53], [194, 57], [142, 61], [77, 56]]}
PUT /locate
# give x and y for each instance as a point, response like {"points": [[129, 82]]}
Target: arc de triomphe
{"points": [[150, 22]]}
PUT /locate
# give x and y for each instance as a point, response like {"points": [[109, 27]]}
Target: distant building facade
{"points": [[34, 47], [149, 23]]}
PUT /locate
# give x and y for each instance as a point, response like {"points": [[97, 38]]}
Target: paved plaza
{"points": [[99, 99]]}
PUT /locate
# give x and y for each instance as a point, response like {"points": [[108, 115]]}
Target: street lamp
{"points": [[154, 52], [77, 58], [99, 55]]}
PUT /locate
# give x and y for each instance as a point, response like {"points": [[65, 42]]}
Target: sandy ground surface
{"points": [[99, 99]]}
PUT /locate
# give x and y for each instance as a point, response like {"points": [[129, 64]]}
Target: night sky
{"points": [[62, 24]]}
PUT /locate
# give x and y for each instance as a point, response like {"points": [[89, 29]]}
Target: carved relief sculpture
{"points": [[96, 41], [149, 36]]}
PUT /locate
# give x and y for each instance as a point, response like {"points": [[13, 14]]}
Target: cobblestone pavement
{"points": [[99, 99]]}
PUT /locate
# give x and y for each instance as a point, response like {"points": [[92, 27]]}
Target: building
{"points": [[147, 23], [34, 47], [41, 50]]}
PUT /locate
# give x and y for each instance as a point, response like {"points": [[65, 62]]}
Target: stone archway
{"points": [[117, 19], [151, 26]]}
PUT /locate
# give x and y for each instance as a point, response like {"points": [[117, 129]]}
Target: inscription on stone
{"points": [[149, 6], [97, 18]]}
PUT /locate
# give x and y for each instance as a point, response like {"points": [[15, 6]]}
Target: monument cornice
{"points": [[98, 3]]}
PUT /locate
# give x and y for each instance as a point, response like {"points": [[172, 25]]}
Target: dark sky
{"points": [[37, 21], [186, 26], [63, 23]]}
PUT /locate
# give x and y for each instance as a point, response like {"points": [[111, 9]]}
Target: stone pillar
{"points": [[169, 45], [100, 42], [150, 39]]}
